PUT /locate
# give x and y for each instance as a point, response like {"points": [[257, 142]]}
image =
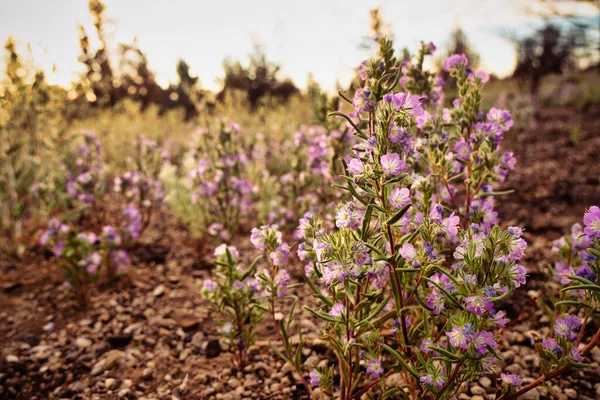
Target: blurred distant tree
{"points": [[549, 50], [99, 86], [186, 93], [257, 80]]}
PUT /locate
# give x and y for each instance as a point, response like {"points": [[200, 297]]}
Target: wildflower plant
{"points": [[80, 255], [140, 185], [234, 294], [85, 170], [410, 280], [577, 270], [217, 182], [275, 283]]}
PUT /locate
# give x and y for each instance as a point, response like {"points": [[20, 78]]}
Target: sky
{"points": [[318, 36]]}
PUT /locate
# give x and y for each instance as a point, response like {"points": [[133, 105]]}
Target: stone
{"points": [[485, 382], [478, 390], [111, 359], [109, 382], [11, 358], [83, 343], [531, 395], [197, 339], [158, 291], [212, 348], [571, 393], [234, 383]]}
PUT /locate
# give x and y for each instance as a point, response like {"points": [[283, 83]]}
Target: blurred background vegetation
{"points": [[118, 96]]}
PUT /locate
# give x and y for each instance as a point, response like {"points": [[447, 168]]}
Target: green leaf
{"points": [[580, 279], [592, 287], [378, 309], [347, 118], [389, 393], [251, 269], [365, 222], [502, 193], [493, 352], [398, 215], [321, 315], [343, 96], [446, 293], [400, 359], [594, 252], [453, 357], [574, 303]]}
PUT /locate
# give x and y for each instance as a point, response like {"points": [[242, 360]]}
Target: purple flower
{"points": [[392, 165], [257, 238], [586, 272], [425, 345], [455, 61], [566, 327], [362, 100], [110, 235], [432, 380], [552, 345], [209, 285], [498, 317], [481, 75], [514, 231], [399, 198], [336, 310], [501, 117], [356, 167], [374, 368], [408, 251], [58, 249], [462, 149], [407, 103], [427, 380], [483, 339], [517, 249], [575, 354], [435, 301], [120, 259], [91, 263], [517, 274], [511, 379], [132, 221], [282, 281], [459, 337], [348, 216], [450, 225], [478, 305], [314, 378], [280, 255], [435, 215], [591, 220]]}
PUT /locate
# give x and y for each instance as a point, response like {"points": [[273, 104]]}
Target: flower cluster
{"points": [[217, 181], [235, 295], [84, 255], [577, 268], [141, 185], [85, 171], [418, 246]]}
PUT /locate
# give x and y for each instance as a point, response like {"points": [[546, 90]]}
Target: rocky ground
{"points": [[151, 335]]}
